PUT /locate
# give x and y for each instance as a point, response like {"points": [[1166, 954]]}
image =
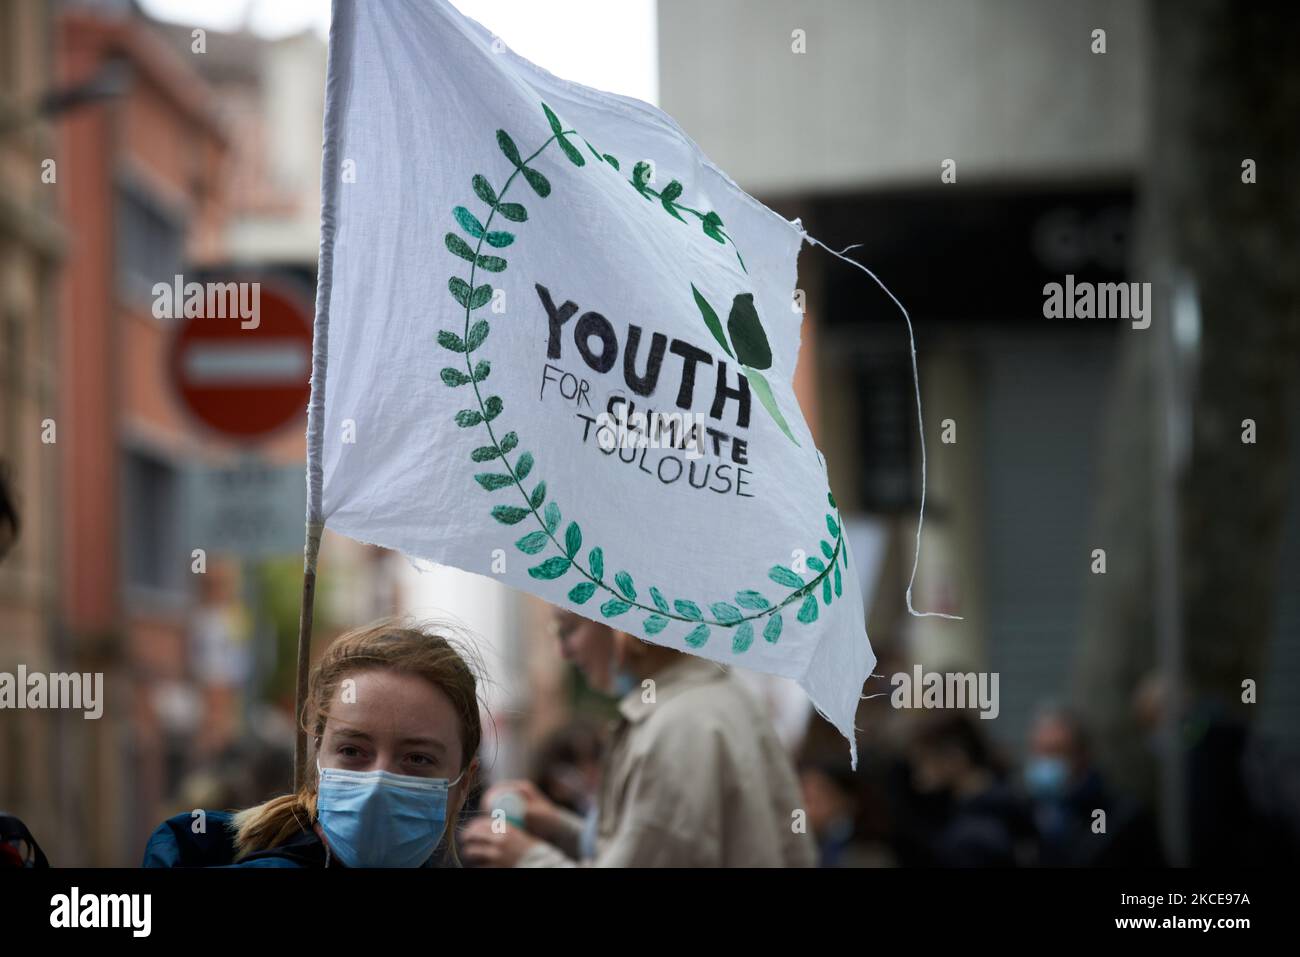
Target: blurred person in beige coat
{"points": [[694, 775]]}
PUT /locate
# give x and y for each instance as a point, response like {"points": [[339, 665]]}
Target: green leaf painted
{"points": [[772, 630], [614, 607], [455, 377], [764, 392], [688, 609], [491, 263], [499, 240], [658, 599], [826, 591], [611, 161], [491, 481], [725, 612], [540, 184], [742, 638], [698, 637], [483, 189], [509, 514], [654, 624], [467, 417], [784, 576], [551, 516], [460, 290], [556, 127], [485, 453], [816, 563], [751, 599], [468, 221], [532, 543], [827, 550], [837, 582], [513, 212], [832, 527], [449, 340], [538, 496], [524, 466], [459, 247], [572, 539], [641, 178], [624, 582], [575, 157], [808, 613], [831, 498], [747, 335], [481, 370], [711, 223], [477, 333], [492, 407], [711, 320], [582, 591], [508, 147], [670, 193], [509, 441], [481, 296], [596, 562], [553, 567]]}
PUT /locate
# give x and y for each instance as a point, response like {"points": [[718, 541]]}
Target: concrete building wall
{"points": [[887, 89], [883, 93]]}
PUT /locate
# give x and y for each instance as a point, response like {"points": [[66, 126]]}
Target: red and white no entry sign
{"points": [[246, 379]]}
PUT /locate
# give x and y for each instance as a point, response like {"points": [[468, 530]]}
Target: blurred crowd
{"points": [[934, 789]]}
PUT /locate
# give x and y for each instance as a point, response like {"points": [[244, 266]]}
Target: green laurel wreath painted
{"points": [[746, 608]]}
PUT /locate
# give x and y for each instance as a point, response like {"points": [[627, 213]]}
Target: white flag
{"points": [[555, 345]]}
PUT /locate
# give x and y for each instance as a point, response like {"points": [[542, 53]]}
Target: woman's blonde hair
{"points": [[394, 644]]}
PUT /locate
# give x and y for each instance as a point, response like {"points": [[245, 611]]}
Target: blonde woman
{"points": [[393, 711]]}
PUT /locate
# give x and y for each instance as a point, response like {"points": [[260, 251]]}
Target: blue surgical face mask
{"points": [[1046, 777], [380, 819]]}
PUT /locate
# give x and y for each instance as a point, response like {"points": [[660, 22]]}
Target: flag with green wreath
{"points": [[555, 346]]}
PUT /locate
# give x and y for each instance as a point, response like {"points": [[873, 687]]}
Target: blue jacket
{"points": [[175, 844]]}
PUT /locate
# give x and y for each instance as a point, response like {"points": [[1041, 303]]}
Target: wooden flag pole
{"points": [[310, 553]]}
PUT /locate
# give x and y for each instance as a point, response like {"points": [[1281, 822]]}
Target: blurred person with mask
{"points": [[393, 711], [694, 775], [984, 824], [1066, 790]]}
